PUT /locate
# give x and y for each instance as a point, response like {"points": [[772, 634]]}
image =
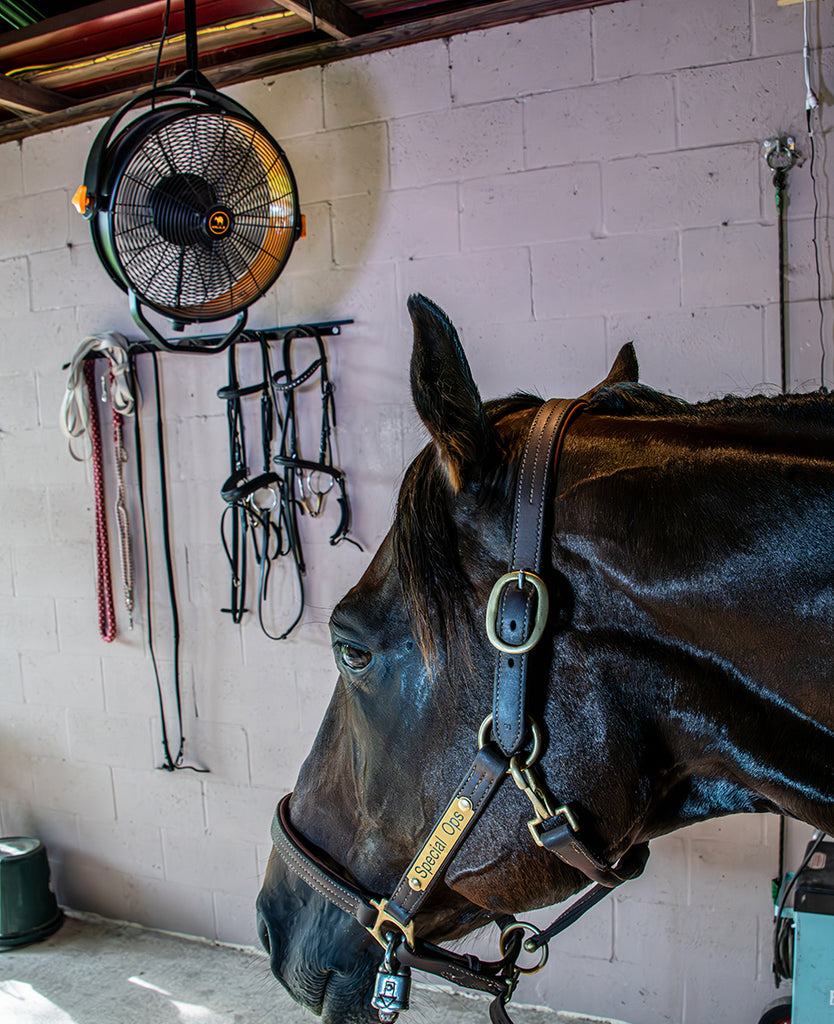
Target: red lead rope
{"points": [[104, 586]]}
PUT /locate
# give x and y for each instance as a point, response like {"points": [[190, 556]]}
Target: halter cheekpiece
{"points": [[509, 744]]}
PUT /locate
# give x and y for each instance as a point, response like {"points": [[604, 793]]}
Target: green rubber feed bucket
{"points": [[28, 908]]}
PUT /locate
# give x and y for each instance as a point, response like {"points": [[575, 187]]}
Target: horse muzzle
{"points": [[324, 960]]}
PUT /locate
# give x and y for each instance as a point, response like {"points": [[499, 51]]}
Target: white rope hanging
{"points": [[75, 413]]}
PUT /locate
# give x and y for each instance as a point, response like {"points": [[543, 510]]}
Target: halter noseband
{"points": [[516, 618]]}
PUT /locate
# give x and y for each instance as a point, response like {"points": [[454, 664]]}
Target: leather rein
{"points": [[515, 621]]}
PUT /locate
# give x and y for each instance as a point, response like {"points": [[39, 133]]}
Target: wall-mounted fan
{"points": [[193, 205]]}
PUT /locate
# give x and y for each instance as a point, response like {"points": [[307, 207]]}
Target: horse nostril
{"points": [[263, 933]]}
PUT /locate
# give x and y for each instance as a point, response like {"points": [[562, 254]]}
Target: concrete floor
{"points": [[93, 971]]}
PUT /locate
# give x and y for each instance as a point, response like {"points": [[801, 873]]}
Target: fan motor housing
{"points": [[196, 208]]}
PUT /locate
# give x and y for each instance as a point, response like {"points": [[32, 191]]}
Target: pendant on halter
{"points": [[390, 998], [392, 984]]}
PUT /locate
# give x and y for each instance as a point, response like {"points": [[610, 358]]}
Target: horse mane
{"points": [[632, 399], [425, 536]]}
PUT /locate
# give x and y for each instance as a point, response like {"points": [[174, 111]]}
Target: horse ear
{"points": [[624, 371], [445, 394]]}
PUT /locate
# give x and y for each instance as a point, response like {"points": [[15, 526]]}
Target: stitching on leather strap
{"points": [[324, 886], [477, 785]]}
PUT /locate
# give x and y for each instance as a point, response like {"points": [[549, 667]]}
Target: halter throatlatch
{"points": [[515, 622]]}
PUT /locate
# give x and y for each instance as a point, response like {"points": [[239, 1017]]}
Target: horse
{"points": [[682, 670]]}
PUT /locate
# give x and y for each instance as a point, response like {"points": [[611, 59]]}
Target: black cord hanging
{"points": [[781, 155], [812, 169], [171, 762]]}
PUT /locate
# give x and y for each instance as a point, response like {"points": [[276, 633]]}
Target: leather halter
{"points": [[516, 617]]}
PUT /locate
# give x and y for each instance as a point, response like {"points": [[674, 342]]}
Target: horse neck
{"points": [[706, 556]]}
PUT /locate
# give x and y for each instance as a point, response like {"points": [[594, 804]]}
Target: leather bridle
{"points": [[266, 506], [516, 618]]}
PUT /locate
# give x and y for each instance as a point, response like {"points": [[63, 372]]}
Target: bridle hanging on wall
{"points": [[265, 507], [270, 543]]}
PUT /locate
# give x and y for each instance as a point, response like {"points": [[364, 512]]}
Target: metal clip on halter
{"points": [[381, 933], [527, 781]]}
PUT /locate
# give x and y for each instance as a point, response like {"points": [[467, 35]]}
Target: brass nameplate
{"points": [[439, 845]]}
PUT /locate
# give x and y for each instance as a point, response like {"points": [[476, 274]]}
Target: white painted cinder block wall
{"points": [[560, 187]]}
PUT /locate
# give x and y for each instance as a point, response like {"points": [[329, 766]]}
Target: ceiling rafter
{"points": [[331, 16], [114, 12], [31, 99]]}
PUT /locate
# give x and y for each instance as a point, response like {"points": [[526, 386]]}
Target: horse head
{"points": [[652, 645]]}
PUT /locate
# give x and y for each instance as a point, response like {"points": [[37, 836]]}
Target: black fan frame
{"points": [[109, 156]]}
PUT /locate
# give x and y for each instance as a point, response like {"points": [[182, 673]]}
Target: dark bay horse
{"points": [[685, 669]]}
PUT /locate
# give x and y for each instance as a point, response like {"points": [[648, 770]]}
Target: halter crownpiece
{"points": [[515, 622], [514, 603]]}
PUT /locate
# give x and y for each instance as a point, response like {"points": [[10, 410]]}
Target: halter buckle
{"points": [[383, 918], [519, 576]]}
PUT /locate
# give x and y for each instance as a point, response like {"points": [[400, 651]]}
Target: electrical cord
{"points": [[815, 243], [811, 101], [811, 104], [162, 39]]}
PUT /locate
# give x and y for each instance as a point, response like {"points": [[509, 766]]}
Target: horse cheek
{"points": [[500, 869]]}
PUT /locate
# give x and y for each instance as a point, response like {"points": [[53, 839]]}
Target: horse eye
{"points": [[356, 658]]}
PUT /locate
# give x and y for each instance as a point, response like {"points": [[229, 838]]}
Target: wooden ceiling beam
{"points": [[134, 60], [31, 99], [331, 16], [308, 54]]}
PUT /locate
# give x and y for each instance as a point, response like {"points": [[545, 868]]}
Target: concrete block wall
{"points": [[560, 186]]}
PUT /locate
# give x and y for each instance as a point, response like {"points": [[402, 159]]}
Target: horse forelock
{"points": [[426, 554]]}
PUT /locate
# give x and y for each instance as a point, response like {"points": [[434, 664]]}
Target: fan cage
{"points": [[166, 189]]}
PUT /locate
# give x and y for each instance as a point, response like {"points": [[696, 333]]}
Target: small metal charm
{"points": [[392, 985]]}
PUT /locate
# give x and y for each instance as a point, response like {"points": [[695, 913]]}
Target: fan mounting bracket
{"points": [[186, 345]]}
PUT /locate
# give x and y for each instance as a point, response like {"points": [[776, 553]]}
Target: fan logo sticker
{"points": [[219, 223]]}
